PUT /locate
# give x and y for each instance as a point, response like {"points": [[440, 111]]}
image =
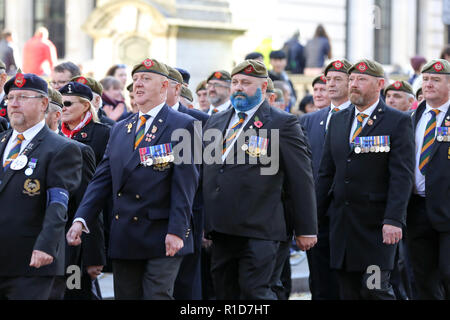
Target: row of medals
{"points": [[253, 151], [359, 149], [443, 138], [160, 162]]}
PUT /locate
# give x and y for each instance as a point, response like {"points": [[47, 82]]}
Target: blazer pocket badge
{"points": [[32, 187]]}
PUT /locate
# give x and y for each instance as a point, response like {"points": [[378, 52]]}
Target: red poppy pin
{"points": [[82, 80], [337, 65], [148, 63], [217, 75], [20, 80], [397, 85], [84, 135], [2, 112], [438, 67], [362, 67], [257, 123], [249, 69]]}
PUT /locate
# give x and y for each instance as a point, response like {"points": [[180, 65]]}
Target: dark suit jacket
{"points": [[27, 221], [240, 201], [437, 182], [96, 136], [148, 204], [315, 124], [3, 124], [366, 190]]}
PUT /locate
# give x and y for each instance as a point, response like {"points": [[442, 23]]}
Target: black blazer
{"points": [[3, 124], [365, 191], [240, 201], [95, 135], [437, 182], [27, 221]]}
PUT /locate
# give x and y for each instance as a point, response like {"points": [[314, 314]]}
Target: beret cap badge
{"points": [[20, 80], [362, 67], [338, 65], [397, 84], [438, 66], [218, 75], [249, 69], [148, 63], [82, 80]]}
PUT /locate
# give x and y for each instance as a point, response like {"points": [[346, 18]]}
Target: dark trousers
{"points": [[25, 288], [276, 282], [323, 281], [402, 280], [353, 286], [430, 252], [85, 292], [208, 292], [243, 267], [151, 279], [188, 282]]}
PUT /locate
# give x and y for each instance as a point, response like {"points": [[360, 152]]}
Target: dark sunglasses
{"points": [[68, 103]]}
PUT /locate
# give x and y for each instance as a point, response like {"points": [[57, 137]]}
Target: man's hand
{"points": [[305, 243], [114, 113], [94, 271], [391, 234], [40, 259], [74, 234], [173, 244]]}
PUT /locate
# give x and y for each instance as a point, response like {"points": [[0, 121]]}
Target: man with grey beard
{"points": [[365, 179], [218, 90]]}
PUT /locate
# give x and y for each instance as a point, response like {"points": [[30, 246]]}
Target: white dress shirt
{"points": [[419, 185], [29, 134], [341, 107], [220, 108], [368, 112], [234, 120], [176, 106]]}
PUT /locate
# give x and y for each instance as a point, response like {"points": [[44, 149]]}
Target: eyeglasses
{"points": [[21, 97], [59, 83], [215, 85], [69, 103]]}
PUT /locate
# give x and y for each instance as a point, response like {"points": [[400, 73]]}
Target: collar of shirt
{"points": [[2, 95], [176, 106], [152, 113], [222, 107], [368, 111], [443, 110], [30, 133], [341, 107]]}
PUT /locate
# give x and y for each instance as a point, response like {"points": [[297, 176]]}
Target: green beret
{"points": [[418, 93], [366, 66], [252, 68], [174, 75], [279, 93], [341, 65], [2, 65], [270, 87], [55, 96], [186, 93], [438, 66], [151, 65], [130, 87], [320, 80], [201, 86], [399, 86], [221, 75], [90, 82]]}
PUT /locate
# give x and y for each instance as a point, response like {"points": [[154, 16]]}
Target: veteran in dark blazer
{"points": [[429, 208], [364, 191], [188, 284], [244, 213], [153, 190], [39, 171]]}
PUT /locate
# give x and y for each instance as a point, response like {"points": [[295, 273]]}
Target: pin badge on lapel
{"points": [[129, 126], [321, 123], [84, 135], [370, 122], [154, 129], [4, 138], [148, 137]]}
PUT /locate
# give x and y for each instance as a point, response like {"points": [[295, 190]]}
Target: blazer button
{"points": [[347, 203], [135, 218], [217, 189], [117, 217], [138, 196], [347, 181], [119, 194], [349, 160], [221, 170]]}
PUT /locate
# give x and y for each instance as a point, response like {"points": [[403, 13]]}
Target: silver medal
{"points": [[28, 172]]}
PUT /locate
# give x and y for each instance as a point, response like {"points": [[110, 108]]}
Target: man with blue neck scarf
{"points": [[244, 207]]}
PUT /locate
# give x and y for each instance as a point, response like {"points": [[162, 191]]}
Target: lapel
{"points": [[417, 114], [157, 127], [346, 122], [375, 118], [3, 142], [323, 121], [35, 143], [86, 133]]}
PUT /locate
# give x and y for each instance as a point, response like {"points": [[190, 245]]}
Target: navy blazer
{"points": [[147, 204]]}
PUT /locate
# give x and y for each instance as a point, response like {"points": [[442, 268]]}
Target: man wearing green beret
{"points": [[202, 96], [323, 281], [241, 198], [428, 222], [399, 95], [270, 93], [365, 176], [153, 192], [218, 88], [320, 93]]}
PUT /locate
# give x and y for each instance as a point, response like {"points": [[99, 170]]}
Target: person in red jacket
{"points": [[39, 54]]}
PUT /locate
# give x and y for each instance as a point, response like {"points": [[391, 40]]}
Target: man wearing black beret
{"points": [[36, 178]]}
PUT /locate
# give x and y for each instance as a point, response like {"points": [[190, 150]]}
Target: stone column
{"points": [[78, 43]]}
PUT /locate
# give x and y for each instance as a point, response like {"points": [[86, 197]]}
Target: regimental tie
{"points": [[428, 140], [215, 110], [359, 125], [233, 131], [14, 151], [141, 131], [334, 110]]}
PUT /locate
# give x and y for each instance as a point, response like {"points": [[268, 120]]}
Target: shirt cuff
{"points": [[83, 222]]}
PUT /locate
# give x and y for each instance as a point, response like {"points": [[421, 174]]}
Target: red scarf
{"points": [[70, 133]]}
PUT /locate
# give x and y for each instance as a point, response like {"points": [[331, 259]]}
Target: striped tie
{"points": [[428, 140], [359, 125], [335, 110], [14, 151], [233, 131], [141, 131], [215, 110]]}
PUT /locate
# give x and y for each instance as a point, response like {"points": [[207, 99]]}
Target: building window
{"points": [[51, 14], [2, 14], [382, 38]]}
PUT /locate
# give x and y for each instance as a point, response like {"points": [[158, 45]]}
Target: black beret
{"points": [[279, 54], [77, 89], [185, 74], [26, 81], [253, 56]]}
